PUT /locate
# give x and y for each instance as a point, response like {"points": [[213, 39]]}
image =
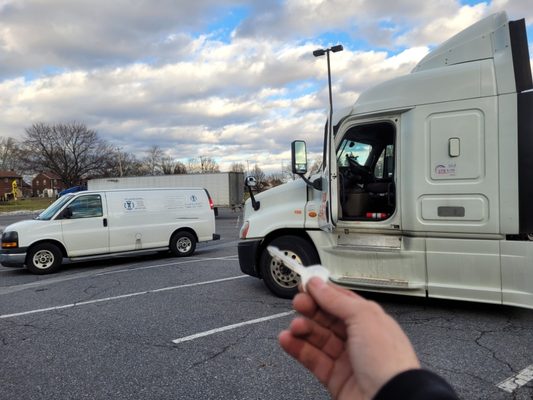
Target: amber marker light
{"points": [[10, 240], [312, 214]]}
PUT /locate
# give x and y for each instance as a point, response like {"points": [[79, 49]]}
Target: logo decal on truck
{"points": [[445, 170]]}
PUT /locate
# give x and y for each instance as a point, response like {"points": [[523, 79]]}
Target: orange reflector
{"points": [[9, 245], [312, 214]]}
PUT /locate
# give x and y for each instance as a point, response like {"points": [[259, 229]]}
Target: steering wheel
{"points": [[359, 170]]}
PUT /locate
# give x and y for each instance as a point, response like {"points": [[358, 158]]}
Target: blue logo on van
{"points": [[129, 205], [194, 199]]}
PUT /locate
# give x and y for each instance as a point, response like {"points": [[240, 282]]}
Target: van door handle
{"points": [[105, 221]]}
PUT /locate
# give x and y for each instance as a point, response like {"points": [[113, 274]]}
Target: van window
{"points": [[54, 208], [86, 206]]}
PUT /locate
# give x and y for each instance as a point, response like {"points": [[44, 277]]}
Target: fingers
{"points": [[309, 356], [305, 305], [318, 336]]}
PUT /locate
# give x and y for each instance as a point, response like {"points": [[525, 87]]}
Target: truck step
{"points": [[376, 283]]}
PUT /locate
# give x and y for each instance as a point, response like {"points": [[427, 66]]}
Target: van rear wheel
{"points": [[44, 258], [182, 244], [277, 277]]}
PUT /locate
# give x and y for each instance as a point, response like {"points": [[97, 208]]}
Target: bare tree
{"points": [[180, 168], [260, 177], [237, 167], [193, 166], [70, 150], [202, 165], [275, 179], [208, 164], [9, 154], [121, 163], [152, 162], [167, 165]]}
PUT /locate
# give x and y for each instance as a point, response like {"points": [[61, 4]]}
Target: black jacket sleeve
{"points": [[417, 384]]}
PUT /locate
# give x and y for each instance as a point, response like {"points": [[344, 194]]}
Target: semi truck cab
{"points": [[425, 188]]}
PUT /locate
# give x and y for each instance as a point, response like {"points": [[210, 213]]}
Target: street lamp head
{"points": [[334, 49]]}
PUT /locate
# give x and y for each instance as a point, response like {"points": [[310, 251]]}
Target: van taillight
{"points": [[211, 204]]}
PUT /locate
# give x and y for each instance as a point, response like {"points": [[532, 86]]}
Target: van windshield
{"points": [[54, 207]]}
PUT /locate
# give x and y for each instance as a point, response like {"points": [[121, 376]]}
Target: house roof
{"points": [[49, 175], [9, 174]]}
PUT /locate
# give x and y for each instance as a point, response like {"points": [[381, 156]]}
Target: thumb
{"points": [[333, 299]]}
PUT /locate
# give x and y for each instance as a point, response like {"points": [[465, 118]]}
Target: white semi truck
{"points": [[427, 183]]}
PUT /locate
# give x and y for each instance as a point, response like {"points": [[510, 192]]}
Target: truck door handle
{"points": [[105, 221]]}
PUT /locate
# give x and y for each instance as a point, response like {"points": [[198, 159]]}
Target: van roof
{"points": [[139, 190]]}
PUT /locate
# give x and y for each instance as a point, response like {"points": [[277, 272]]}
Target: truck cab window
{"points": [[86, 207], [365, 158]]}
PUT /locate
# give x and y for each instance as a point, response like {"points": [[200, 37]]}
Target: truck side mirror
{"points": [[299, 157], [250, 181]]}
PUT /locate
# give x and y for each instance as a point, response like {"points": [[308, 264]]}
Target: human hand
{"points": [[350, 344]]}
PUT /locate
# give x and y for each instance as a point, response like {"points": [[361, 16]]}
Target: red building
{"points": [[47, 184], [6, 183]]}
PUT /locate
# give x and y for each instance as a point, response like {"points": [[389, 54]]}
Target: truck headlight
{"points": [[10, 240]]}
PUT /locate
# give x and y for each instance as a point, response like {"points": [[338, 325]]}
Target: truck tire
{"points": [[44, 258], [279, 279], [182, 244]]}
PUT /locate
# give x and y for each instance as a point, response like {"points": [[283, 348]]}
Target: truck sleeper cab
{"points": [[425, 188], [92, 224]]}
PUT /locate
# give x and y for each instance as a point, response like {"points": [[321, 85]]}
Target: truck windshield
{"points": [[54, 207], [350, 149]]}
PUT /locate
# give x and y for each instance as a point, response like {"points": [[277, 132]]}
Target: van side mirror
{"points": [[299, 157]]}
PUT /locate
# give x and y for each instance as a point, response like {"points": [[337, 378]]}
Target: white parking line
{"points": [[91, 274], [229, 327], [124, 296], [190, 261], [517, 381]]}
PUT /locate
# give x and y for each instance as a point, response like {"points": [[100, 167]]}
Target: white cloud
{"points": [[142, 74]]}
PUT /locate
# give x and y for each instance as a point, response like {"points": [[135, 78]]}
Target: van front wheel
{"points": [[277, 277], [182, 244], [43, 259]]}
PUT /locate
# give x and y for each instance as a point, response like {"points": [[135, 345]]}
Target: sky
{"points": [[233, 80]]}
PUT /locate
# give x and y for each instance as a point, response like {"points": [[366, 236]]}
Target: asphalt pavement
{"points": [[159, 327]]}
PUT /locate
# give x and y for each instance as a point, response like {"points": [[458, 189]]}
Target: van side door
{"points": [[84, 226]]}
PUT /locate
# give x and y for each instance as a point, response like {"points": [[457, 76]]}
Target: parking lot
{"points": [[158, 327]]}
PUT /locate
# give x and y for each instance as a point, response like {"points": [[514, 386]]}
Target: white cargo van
{"points": [[98, 223]]}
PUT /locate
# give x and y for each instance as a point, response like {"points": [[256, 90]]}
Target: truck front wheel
{"points": [[278, 278], [182, 244], [43, 259]]}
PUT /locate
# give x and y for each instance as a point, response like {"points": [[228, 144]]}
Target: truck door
{"points": [[328, 213], [369, 248], [84, 228]]}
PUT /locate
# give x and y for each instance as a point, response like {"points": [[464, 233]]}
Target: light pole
{"points": [[319, 53]]}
